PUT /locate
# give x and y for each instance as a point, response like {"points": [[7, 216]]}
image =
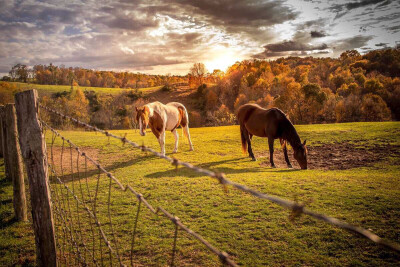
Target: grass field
{"points": [[50, 89], [358, 181]]}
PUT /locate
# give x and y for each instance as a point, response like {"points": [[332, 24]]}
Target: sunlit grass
{"points": [[50, 89], [255, 232]]}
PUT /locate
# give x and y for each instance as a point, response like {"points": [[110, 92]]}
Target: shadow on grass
{"points": [[6, 223], [182, 171], [115, 165]]}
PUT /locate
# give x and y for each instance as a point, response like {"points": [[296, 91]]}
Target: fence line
{"points": [[296, 208], [223, 256]]}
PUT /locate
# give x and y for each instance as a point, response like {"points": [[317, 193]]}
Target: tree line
{"points": [[350, 88], [61, 75]]}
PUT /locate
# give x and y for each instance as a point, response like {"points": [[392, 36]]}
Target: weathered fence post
{"points": [[33, 148], [4, 141], [14, 158], [1, 135]]}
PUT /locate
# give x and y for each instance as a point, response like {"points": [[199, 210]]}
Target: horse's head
{"points": [[142, 117], [300, 154]]}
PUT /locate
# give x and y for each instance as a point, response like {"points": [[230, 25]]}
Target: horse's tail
{"points": [[243, 137], [184, 118]]}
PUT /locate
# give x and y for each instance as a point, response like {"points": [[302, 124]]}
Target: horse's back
{"points": [[176, 104], [259, 121], [246, 110]]}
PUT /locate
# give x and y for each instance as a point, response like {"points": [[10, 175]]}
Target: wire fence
{"points": [[86, 234]]}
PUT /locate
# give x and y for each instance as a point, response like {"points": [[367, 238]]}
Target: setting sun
{"points": [[221, 61]]}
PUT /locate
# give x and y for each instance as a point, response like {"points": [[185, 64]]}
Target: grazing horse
{"points": [[162, 117], [271, 123]]}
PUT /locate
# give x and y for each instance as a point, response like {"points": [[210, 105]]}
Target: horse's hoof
{"points": [[290, 166], [273, 166], [253, 159], [174, 151], [191, 149]]}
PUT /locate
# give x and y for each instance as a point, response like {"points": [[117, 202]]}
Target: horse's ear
{"points": [[304, 143]]}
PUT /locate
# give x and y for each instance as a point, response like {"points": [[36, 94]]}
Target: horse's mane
{"points": [[289, 133]]}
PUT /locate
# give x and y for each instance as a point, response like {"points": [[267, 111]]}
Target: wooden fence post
{"points": [[4, 141], [33, 148], [14, 158], [1, 135]]}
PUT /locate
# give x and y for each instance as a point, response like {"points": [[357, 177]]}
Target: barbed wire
{"points": [[223, 256], [296, 208]]}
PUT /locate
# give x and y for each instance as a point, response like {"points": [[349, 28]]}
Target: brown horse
{"points": [[271, 123]]}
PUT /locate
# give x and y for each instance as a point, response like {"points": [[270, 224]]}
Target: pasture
{"points": [[45, 89], [354, 175]]}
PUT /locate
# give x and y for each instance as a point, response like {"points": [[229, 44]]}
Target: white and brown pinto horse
{"points": [[163, 118]]}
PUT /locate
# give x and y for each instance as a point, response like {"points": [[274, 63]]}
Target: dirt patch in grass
{"points": [[64, 160], [337, 156]]}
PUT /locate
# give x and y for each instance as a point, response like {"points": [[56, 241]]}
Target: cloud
{"points": [[394, 29], [317, 34], [170, 35], [351, 43], [382, 44], [293, 46], [242, 12], [358, 4], [289, 48]]}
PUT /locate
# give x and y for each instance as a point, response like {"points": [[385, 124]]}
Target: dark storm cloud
{"points": [[316, 23], [289, 48], [269, 54], [358, 4], [293, 46], [317, 34], [351, 43], [234, 15], [394, 29], [40, 12], [382, 44], [308, 30], [126, 23]]}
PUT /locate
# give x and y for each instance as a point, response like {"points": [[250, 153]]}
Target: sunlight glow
{"points": [[221, 61]]}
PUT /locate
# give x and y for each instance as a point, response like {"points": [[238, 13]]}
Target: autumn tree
{"points": [[19, 72], [198, 70], [373, 108]]}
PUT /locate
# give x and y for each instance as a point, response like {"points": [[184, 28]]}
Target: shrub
{"points": [[373, 108], [195, 119], [166, 88]]}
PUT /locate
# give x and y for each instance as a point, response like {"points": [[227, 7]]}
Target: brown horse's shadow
{"points": [[182, 171]]}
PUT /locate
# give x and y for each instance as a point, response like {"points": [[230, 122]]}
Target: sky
{"points": [[160, 37]]}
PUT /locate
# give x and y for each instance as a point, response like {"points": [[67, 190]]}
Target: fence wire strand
{"points": [[296, 208], [76, 241]]}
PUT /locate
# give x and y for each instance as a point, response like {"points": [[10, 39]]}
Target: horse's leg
{"points": [[161, 140], [186, 132], [248, 137], [271, 151], [283, 144], [175, 132]]}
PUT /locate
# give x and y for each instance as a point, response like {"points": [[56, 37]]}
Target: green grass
{"points": [[50, 89], [254, 231], [16, 238]]}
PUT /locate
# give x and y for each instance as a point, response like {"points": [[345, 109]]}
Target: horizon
{"points": [[160, 38]]}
